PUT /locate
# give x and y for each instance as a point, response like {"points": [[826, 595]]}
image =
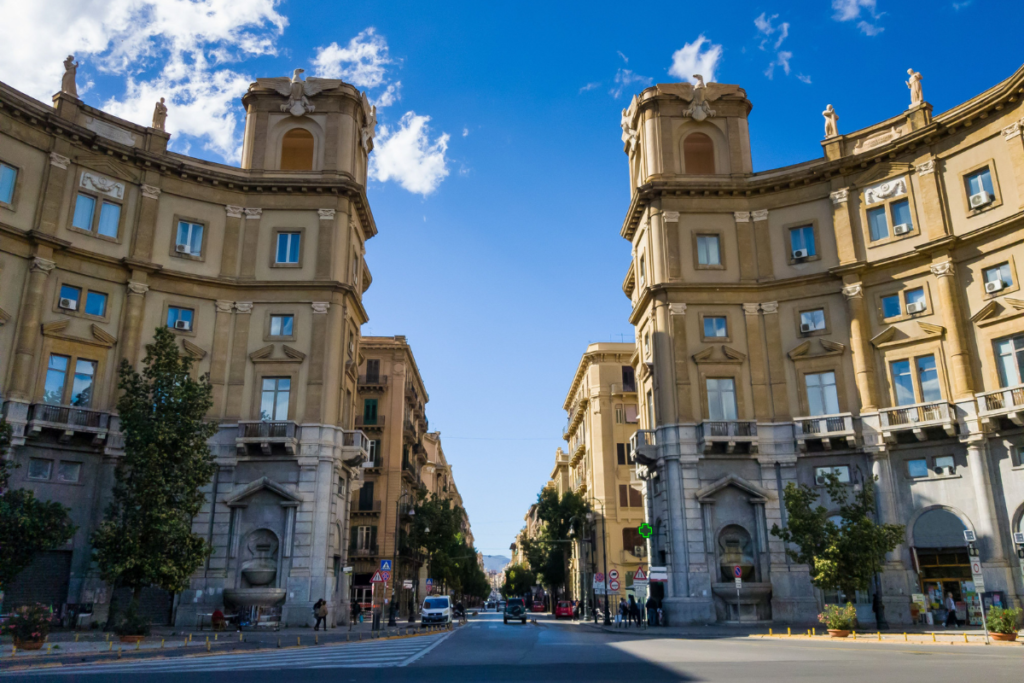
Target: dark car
{"points": [[515, 608]]}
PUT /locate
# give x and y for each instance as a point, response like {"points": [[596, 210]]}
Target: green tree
{"points": [[27, 525], [842, 556], [436, 530], [518, 581], [548, 553], [146, 537]]}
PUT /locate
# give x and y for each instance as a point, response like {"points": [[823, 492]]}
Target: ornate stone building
{"points": [[856, 314], [105, 235]]}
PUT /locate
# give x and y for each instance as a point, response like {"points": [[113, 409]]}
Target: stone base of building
{"points": [[794, 610], [686, 611]]}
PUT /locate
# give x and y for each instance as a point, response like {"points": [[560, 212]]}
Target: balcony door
{"points": [[372, 371], [721, 399], [822, 397], [1010, 360], [370, 411], [366, 496]]}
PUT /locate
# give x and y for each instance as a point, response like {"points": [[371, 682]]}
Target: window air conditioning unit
{"points": [[819, 480], [805, 327], [182, 325], [915, 307], [183, 249], [799, 253], [945, 470], [68, 304], [994, 286], [901, 229], [981, 199]]}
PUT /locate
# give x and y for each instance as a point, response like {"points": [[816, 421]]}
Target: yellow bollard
{"points": [[814, 631], [162, 643], [119, 652], [298, 640], [933, 638], [207, 644], [905, 637], [789, 631], [138, 644], [190, 637], [316, 640], [769, 632], [216, 636], [965, 637], [240, 637], [76, 637], [14, 650], [855, 635], [879, 635], [48, 646], [111, 646]]}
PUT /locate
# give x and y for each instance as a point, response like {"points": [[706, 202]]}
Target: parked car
{"points": [[537, 606], [563, 609], [515, 608], [437, 610], [501, 606], [490, 604]]}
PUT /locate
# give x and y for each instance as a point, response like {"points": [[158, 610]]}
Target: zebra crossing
{"points": [[369, 654]]}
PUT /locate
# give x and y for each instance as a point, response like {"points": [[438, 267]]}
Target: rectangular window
{"points": [[914, 296], [110, 217], [56, 377], [85, 208], [841, 471], [650, 410], [628, 378], [901, 215], [96, 304], [370, 411], [802, 239], [877, 223], [630, 413], [707, 250], [82, 386], [812, 321], [620, 415], [281, 325], [979, 181], [903, 383], [917, 468], [1010, 360], [721, 399], [620, 453], [928, 377], [274, 398], [647, 344], [630, 497], [945, 461], [69, 472], [190, 238], [288, 247], [372, 371], [715, 327], [366, 537], [373, 455], [822, 397], [643, 271], [39, 468], [891, 307], [179, 318], [366, 496], [7, 177], [70, 297], [1000, 273]]}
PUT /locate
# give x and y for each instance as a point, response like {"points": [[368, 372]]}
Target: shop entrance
{"points": [[944, 568]]}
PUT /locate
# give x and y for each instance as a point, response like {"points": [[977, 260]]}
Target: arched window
{"points": [[698, 154], [297, 150]]}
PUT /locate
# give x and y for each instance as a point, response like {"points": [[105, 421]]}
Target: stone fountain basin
{"points": [[254, 597]]}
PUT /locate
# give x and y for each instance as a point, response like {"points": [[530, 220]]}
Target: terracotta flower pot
{"points": [[838, 633], [28, 644], [131, 639], [1005, 637]]}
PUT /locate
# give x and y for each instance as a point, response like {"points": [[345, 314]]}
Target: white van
{"points": [[437, 610]]}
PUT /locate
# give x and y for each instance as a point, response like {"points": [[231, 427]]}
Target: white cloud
{"points": [[850, 10], [390, 95], [590, 86], [692, 58], [406, 155], [764, 27], [781, 59], [624, 78], [624, 57], [175, 49], [362, 62], [465, 132], [804, 78]]}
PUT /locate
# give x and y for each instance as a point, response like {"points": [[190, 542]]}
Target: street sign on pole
{"points": [[979, 585], [639, 578], [613, 585], [430, 586], [407, 584], [378, 577], [613, 574], [385, 565]]}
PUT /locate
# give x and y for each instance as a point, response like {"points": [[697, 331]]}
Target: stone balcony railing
{"points": [[1003, 403], [360, 507], [918, 419], [68, 420], [370, 424], [370, 551], [730, 432], [268, 435], [354, 443], [643, 446], [829, 430]]}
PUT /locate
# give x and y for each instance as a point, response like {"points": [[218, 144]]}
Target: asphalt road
{"points": [[487, 650]]}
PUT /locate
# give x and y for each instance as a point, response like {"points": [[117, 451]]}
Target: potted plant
{"points": [[1002, 623], [838, 620], [30, 625], [132, 627]]}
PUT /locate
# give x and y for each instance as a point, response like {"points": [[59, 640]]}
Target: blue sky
{"points": [[501, 182]]}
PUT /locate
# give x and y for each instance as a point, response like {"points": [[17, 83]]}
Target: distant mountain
{"points": [[495, 563]]}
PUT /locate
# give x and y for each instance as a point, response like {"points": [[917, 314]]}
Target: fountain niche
{"points": [[258, 573], [751, 601]]}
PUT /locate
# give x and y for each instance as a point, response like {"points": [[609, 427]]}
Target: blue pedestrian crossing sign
{"points": [[385, 565]]}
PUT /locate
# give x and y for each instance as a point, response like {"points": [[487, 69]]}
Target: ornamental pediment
{"points": [[895, 336], [719, 354], [816, 348], [756, 493], [997, 311]]}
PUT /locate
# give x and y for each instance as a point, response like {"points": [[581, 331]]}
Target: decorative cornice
{"points": [[45, 265], [759, 215], [670, 216], [233, 211], [253, 214], [840, 196], [139, 288], [751, 309], [225, 306], [326, 214], [262, 354], [853, 291], [59, 161], [741, 216], [293, 354], [770, 307], [1011, 131], [4, 316], [243, 306], [320, 307], [151, 192], [677, 309], [193, 350], [926, 168], [943, 269]]}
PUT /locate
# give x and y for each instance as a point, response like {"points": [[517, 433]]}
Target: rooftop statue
{"points": [[298, 91], [67, 83], [916, 96], [699, 109], [831, 129], [159, 115]]}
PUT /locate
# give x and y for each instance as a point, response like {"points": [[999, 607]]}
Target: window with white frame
{"points": [[721, 398], [998, 274], [1010, 360], [189, 240], [281, 325], [812, 321], [822, 396], [274, 397], [708, 252], [288, 244]]}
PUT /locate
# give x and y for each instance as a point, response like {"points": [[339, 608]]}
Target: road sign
{"points": [[639, 576], [378, 577], [645, 530], [613, 574], [969, 536], [737, 572], [430, 585], [657, 574], [613, 585], [407, 584], [979, 578], [739, 584], [385, 565], [599, 578]]}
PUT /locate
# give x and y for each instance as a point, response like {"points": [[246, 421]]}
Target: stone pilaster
{"points": [[239, 360], [673, 250], [763, 242], [145, 230], [931, 203], [776, 362], [317, 363], [327, 245], [232, 229], [28, 329], [684, 402], [758, 366], [860, 347], [949, 304], [746, 247], [658, 258], [251, 232], [846, 246], [664, 366], [53, 193], [988, 520], [219, 359], [1015, 141], [134, 310]]}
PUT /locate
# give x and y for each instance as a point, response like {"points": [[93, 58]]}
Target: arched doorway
{"points": [[297, 150], [943, 566]]}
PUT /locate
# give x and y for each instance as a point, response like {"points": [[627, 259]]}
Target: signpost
{"points": [[430, 586], [599, 584], [613, 574], [737, 573], [385, 565], [657, 574], [977, 575], [378, 577], [407, 584], [1018, 539], [613, 585]]}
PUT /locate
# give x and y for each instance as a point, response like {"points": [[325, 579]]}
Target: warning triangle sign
{"points": [[377, 578], [639, 575]]}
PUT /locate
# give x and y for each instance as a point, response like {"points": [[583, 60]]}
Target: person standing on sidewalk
{"points": [[634, 611], [951, 611], [320, 612], [652, 611]]}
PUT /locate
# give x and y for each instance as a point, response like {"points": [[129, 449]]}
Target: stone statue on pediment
{"points": [[831, 127], [159, 115], [67, 83], [298, 91], [916, 95], [699, 109]]}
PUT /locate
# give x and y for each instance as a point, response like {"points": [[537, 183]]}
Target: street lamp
{"points": [[394, 561]]}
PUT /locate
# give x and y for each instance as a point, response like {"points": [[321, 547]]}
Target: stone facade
{"points": [[259, 271], [856, 313]]}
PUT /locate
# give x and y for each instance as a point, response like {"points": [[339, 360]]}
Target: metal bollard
{"points": [[879, 636], [76, 637], [298, 640], [933, 638], [207, 644], [279, 642], [905, 639], [965, 638], [118, 651], [316, 640], [162, 643]]}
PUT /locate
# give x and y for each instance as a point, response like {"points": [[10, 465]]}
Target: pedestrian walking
{"points": [[951, 611], [652, 611], [634, 611], [320, 612], [357, 612]]}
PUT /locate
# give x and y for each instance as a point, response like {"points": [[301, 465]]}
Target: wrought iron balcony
{"points": [[370, 551], [642, 446], [728, 432], [373, 382], [69, 420], [621, 388], [1004, 403], [918, 419], [828, 429], [365, 507], [370, 423], [267, 435]]}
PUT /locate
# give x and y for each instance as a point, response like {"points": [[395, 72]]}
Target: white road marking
{"points": [[420, 654]]}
